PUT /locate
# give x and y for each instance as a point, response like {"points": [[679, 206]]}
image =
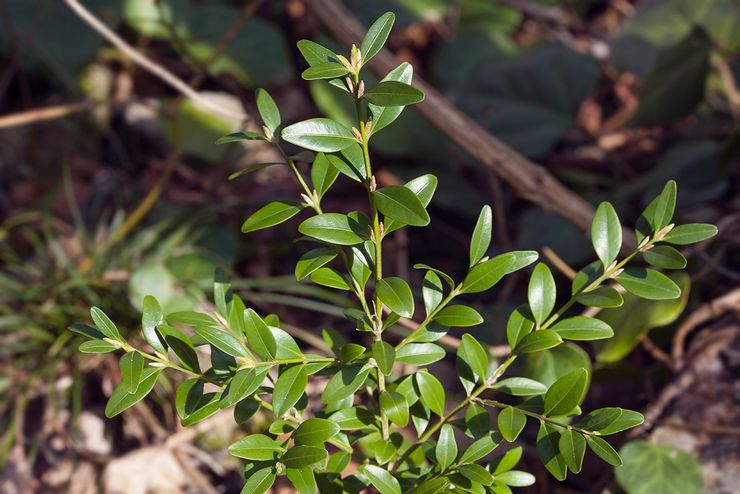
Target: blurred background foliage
{"points": [[121, 192]]}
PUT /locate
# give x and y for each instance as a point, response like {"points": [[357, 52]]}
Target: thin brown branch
{"points": [[42, 114], [558, 262]]}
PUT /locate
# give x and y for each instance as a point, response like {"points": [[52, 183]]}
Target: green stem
{"points": [[540, 417], [453, 293], [304, 185]]}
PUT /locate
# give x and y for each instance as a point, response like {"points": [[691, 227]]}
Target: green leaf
{"points": [[241, 136], [519, 325], [132, 368], [658, 213], [516, 478], [459, 316], [541, 293], [259, 481], [350, 162], [323, 174], [353, 418], [303, 456], [105, 325], [600, 419], [151, 317], [268, 110], [383, 116], [566, 393], [606, 233], [432, 486], [419, 354], [221, 340], [582, 328], [334, 228], [394, 93], [476, 473], [385, 356], [182, 347], [572, 447], [627, 420], [331, 278], [671, 470], [507, 461], [436, 271], [401, 204], [520, 386], [288, 389], [190, 318], [315, 53], [325, 70], [486, 274], [319, 134], [244, 383], [481, 239], [511, 422], [344, 383], [664, 256], [431, 392], [548, 440], [396, 407], [446, 450], [96, 346], [604, 297], [479, 449], [313, 260], [303, 480], [272, 214], [256, 447], [603, 450], [396, 295], [382, 479], [690, 234], [648, 284], [431, 291], [121, 399], [538, 341], [206, 406], [472, 353], [375, 38], [259, 336]]}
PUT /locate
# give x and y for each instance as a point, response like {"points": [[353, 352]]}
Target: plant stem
{"points": [[306, 189], [538, 416], [453, 293]]}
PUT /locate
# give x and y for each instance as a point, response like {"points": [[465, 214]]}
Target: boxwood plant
{"points": [[382, 418]]}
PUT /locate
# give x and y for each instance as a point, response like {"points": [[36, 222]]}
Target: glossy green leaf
{"points": [[105, 325], [268, 110], [446, 450], [432, 486], [671, 470], [331, 278], [548, 439], [323, 174], [96, 346], [582, 328], [481, 239], [303, 480], [419, 354], [541, 293], [319, 134], [383, 116], [272, 214], [351, 162], [538, 341], [289, 388], [604, 297], [344, 383], [431, 392], [476, 473], [572, 447], [375, 38], [121, 399], [447, 278], [627, 420], [206, 406], [244, 383], [353, 418], [221, 340], [351, 352], [432, 291], [480, 448], [486, 274], [382, 480], [191, 318], [315, 53], [520, 386], [648, 284], [606, 233], [132, 368], [516, 478], [241, 136], [259, 336], [151, 317], [472, 353], [507, 461], [459, 316], [604, 450], [401, 204], [396, 294], [313, 260], [325, 70], [334, 228], [519, 325], [665, 257], [511, 422], [566, 393], [258, 447], [384, 355], [690, 234], [303, 456], [658, 213], [600, 419], [259, 481], [182, 347], [394, 93], [396, 407]]}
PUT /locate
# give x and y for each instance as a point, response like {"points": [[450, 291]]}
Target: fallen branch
{"points": [[531, 181], [42, 114]]}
